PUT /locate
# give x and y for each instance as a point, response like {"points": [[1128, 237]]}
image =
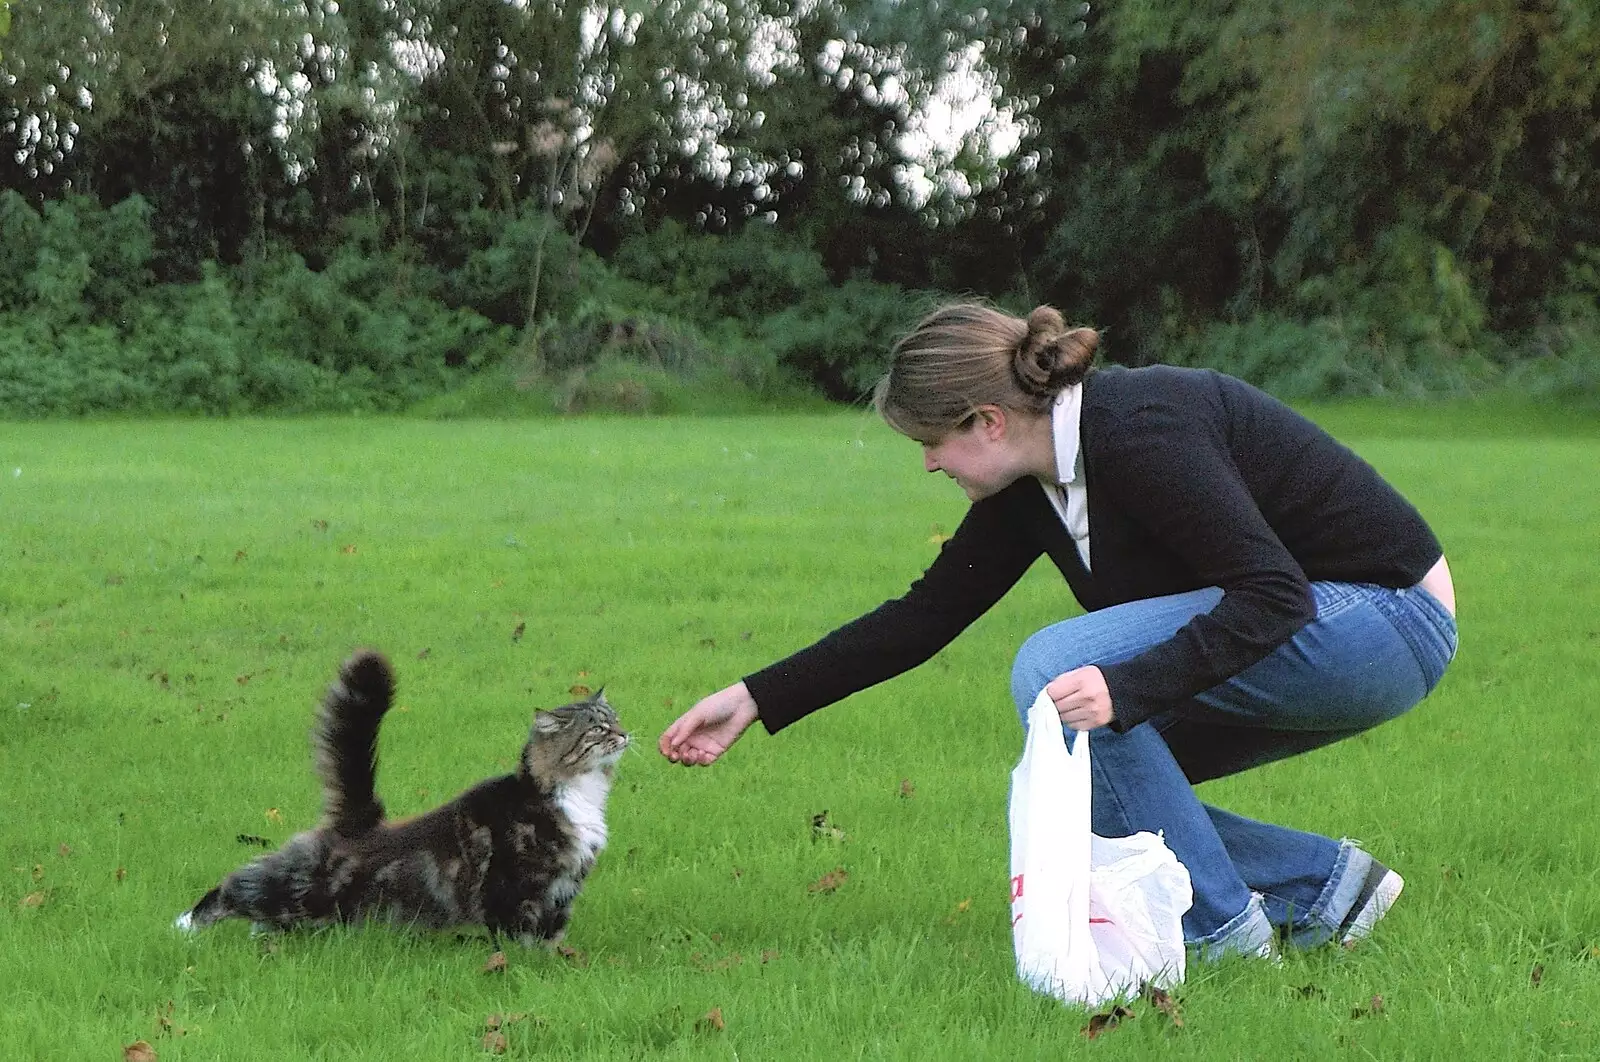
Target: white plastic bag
{"points": [[1091, 917]]}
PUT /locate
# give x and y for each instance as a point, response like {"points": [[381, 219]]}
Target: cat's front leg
{"points": [[539, 926]]}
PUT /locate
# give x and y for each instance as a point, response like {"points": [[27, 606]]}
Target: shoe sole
{"points": [[1376, 906]]}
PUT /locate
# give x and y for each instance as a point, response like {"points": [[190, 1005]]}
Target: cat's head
{"points": [[574, 739]]}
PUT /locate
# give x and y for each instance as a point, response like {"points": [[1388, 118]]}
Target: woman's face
{"points": [[978, 455]]}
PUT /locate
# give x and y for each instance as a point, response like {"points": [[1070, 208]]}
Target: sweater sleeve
{"points": [[1171, 471], [977, 565]]}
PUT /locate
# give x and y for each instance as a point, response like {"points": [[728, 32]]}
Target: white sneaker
{"points": [[1378, 893]]}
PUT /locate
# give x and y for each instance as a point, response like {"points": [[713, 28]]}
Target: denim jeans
{"points": [[1369, 655]]}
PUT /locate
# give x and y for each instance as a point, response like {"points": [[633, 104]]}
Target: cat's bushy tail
{"points": [[346, 741]]}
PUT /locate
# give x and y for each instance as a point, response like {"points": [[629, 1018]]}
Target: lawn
{"points": [[177, 595]]}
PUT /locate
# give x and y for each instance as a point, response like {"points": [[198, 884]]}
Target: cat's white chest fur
{"points": [[583, 800]]}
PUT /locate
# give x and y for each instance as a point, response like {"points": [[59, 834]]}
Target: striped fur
{"points": [[509, 854]]}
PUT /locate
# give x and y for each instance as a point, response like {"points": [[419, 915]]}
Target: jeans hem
{"points": [[1322, 922], [1248, 933]]}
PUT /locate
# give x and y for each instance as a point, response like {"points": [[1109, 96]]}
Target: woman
{"points": [[1253, 590]]}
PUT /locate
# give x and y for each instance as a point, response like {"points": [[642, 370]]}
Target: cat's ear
{"points": [[546, 722], [599, 697]]}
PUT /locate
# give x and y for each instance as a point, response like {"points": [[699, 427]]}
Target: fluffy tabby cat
{"points": [[508, 854]]}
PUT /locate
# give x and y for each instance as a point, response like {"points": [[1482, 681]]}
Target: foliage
{"points": [[425, 187]]}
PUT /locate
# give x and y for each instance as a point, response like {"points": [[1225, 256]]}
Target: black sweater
{"points": [[1194, 479]]}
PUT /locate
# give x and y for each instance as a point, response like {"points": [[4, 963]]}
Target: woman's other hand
{"points": [[705, 731], [1082, 700]]}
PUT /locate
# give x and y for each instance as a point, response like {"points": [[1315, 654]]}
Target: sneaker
{"points": [[1378, 893]]}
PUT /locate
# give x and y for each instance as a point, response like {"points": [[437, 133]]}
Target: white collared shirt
{"points": [[1068, 493]]}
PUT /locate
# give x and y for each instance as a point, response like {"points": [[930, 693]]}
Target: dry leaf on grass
{"points": [[907, 790], [1372, 1009], [494, 1042], [823, 830], [712, 1022], [829, 881], [139, 1051], [33, 899], [1160, 999], [496, 963], [1108, 1020], [1537, 975], [572, 955]]}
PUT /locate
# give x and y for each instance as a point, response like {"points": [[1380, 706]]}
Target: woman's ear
{"points": [[991, 422]]}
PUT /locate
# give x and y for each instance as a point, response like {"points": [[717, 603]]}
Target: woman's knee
{"points": [[1040, 660]]}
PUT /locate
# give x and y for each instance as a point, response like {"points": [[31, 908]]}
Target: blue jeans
{"points": [[1369, 655]]}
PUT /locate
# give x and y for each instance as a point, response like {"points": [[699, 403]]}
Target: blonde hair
{"points": [[964, 355]]}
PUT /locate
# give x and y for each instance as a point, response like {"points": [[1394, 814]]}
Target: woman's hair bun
{"points": [[1050, 356]]}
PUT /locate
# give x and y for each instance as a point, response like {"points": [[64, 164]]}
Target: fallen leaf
{"points": [[499, 1021], [122, 872], [38, 872], [494, 1042], [1538, 974], [1373, 1008], [579, 690], [822, 829], [516, 634], [347, 550], [1107, 1021], [496, 963], [830, 881], [583, 674], [907, 790], [33, 899], [712, 1022], [243, 680], [239, 555], [572, 955], [64, 851], [1160, 999], [274, 815], [139, 1051]]}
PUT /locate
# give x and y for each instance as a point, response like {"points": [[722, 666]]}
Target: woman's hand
{"points": [[705, 731], [1082, 700]]}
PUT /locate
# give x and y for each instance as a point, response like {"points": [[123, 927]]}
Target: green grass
{"points": [[177, 595]]}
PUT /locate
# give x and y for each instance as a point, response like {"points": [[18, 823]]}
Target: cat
{"points": [[509, 854]]}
